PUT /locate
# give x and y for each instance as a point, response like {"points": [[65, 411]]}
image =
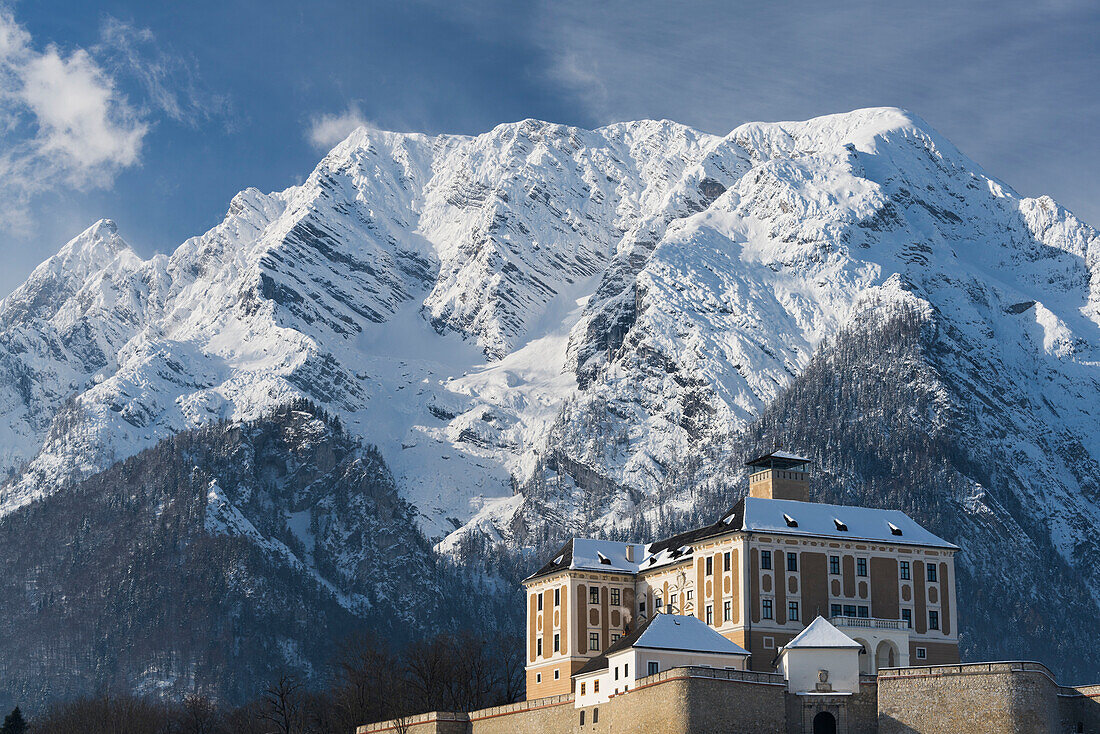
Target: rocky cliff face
{"points": [[216, 559], [548, 330]]}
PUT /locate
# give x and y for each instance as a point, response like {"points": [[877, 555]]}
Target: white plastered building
{"points": [[663, 642], [821, 660]]}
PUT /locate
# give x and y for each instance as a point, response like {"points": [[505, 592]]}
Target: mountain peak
{"points": [[97, 245]]}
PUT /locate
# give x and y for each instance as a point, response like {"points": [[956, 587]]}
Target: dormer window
{"points": [[791, 522], [840, 525], [604, 559], [894, 529]]}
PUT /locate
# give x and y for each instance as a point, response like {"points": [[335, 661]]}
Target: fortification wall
{"points": [[539, 716], [692, 701], [1020, 697], [968, 699], [1079, 709], [432, 722]]}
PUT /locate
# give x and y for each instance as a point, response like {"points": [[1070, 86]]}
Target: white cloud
{"points": [[327, 130], [64, 122], [81, 119]]}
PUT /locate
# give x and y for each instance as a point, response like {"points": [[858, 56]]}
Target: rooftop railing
{"points": [[870, 623]]}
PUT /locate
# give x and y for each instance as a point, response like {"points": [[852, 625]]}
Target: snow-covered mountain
{"points": [[546, 329]]}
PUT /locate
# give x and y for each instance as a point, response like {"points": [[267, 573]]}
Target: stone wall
{"points": [[433, 722], [1079, 709], [854, 714], [1019, 697], [963, 699], [690, 700]]}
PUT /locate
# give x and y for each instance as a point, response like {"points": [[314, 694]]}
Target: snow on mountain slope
{"points": [[355, 289], [589, 315]]}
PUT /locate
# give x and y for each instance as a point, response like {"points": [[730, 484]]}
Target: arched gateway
{"points": [[824, 723]]}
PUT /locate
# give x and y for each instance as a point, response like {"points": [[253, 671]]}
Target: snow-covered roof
{"points": [[752, 514], [668, 632], [683, 633], [778, 459], [587, 554], [820, 633], [791, 517]]}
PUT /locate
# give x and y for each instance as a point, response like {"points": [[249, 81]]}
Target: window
{"points": [[615, 636], [557, 642], [710, 614], [861, 567], [539, 604], [557, 673], [726, 561], [593, 640], [583, 685], [641, 607], [931, 572], [834, 565], [657, 603], [654, 667], [615, 598], [538, 645], [766, 611], [933, 620], [792, 561], [689, 594], [769, 643], [582, 712], [594, 596], [595, 716], [765, 559], [626, 670], [727, 611], [616, 672], [710, 565], [557, 597], [907, 617], [538, 677], [922, 653], [849, 610], [905, 571], [863, 612], [792, 611], [836, 610], [596, 686]]}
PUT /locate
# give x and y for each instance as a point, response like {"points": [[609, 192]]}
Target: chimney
{"points": [[630, 552], [780, 475]]}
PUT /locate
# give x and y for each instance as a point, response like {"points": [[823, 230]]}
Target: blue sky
{"points": [[155, 114]]}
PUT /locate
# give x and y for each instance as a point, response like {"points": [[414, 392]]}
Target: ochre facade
{"points": [[759, 589]]}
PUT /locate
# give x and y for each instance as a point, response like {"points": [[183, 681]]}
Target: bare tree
{"points": [[281, 705]]}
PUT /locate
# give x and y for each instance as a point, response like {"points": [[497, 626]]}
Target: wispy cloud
{"points": [[168, 80], [326, 130]]}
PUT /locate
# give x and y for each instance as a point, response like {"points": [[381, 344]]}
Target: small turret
{"points": [[780, 475]]}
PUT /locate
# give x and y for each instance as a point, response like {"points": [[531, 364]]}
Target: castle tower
{"points": [[780, 475]]}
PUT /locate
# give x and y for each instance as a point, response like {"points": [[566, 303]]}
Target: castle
{"points": [[757, 575], [783, 615]]}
